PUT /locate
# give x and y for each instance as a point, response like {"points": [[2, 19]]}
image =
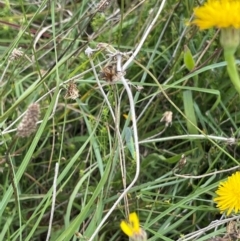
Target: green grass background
{"points": [[180, 68]]}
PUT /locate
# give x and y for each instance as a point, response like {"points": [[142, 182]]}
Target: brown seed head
{"points": [[167, 118], [16, 54], [72, 91], [109, 73], [28, 124]]}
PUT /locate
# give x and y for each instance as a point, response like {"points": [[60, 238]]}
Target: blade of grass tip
{"points": [[189, 112], [71, 200], [192, 120], [190, 63], [188, 59]]}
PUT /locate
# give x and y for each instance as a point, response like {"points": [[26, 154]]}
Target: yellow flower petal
{"points": [[134, 222], [218, 13], [126, 228], [228, 192]]}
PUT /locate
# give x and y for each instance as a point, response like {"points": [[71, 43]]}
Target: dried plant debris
{"points": [[232, 234], [72, 91], [167, 118], [218, 239], [233, 231], [109, 73], [28, 124], [182, 162], [103, 5]]}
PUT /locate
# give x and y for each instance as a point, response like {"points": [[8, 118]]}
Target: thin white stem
{"points": [[205, 175], [229, 140], [53, 201], [144, 37], [122, 159], [146, 107], [158, 134]]}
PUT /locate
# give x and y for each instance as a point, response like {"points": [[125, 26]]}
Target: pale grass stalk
{"points": [[158, 134], [53, 201], [123, 162], [146, 107], [187, 176], [101, 89], [137, 5], [207, 47], [120, 148], [228, 140], [45, 29], [53, 144]]}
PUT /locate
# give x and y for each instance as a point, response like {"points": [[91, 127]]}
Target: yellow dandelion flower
{"points": [[229, 194], [132, 228], [223, 14], [218, 13]]}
